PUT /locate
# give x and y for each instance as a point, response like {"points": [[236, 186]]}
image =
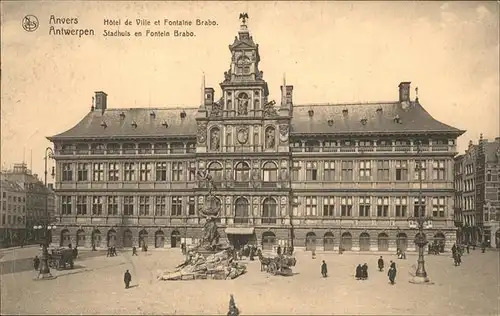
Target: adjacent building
{"points": [[317, 175], [12, 213], [39, 202], [477, 193]]}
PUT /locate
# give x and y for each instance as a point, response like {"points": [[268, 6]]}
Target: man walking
{"points": [[134, 251], [324, 269], [392, 273], [380, 264], [127, 278]]}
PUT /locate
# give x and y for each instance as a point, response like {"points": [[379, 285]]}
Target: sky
{"points": [[331, 52]]}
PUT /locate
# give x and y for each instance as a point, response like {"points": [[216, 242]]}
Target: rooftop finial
{"points": [[416, 94], [243, 18]]}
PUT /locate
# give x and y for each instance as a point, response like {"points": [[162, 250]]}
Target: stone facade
{"points": [[290, 172]]}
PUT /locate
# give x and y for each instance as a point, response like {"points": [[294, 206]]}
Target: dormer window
{"points": [[310, 113], [345, 112], [330, 122], [364, 121], [134, 124], [397, 120], [165, 124], [152, 114], [122, 115], [379, 110], [103, 124], [183, 114]]}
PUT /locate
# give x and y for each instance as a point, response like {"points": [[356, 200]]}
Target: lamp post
{"points": [[420, 240], [44, 264]]}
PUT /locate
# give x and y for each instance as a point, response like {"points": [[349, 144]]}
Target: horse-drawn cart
{"points": [[61, 258], [280, 265]]}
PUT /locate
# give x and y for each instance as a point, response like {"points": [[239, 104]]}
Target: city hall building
{"points": [[320, 175]]}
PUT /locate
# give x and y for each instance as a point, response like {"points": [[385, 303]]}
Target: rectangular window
{"points": [[401, 206], [382, 206], [98, 172], [311, 206], [129, 171], [438, 170], [112, 205], [347, 171], [67, 172], [192, 171], [81, 205], [176, 206], [438, 206], [365, 170], [83, 172], [295, 171], [113, 171], [128, 205], [420, 165], [416, 206], [383, 170], [295, 206], [66, 207], [144, 205], [191, 206], [364, 206], [311, 171], [401, 170], [161, 171], [346, 206], [177, 171], [144, 171], [161, 206], [328, 206], [97, 205], [329, 171]]}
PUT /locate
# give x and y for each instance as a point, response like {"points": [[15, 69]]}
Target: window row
{"points": [[13, 220], [368, 170], [366, 206], [127, 148], [347, 145]]}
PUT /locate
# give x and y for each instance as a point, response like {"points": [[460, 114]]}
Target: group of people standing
{"points": [[362, 272]]}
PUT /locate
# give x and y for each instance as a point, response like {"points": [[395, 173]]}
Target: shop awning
{"points": [[239, 230]]}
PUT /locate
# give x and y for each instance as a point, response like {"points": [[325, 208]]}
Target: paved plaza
{"points": [[95, 286]]}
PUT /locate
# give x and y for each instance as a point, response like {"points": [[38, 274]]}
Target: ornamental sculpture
{"points": [[242, 134], [270, 137], [216, 109], [202, 132], [269, 110], [210, 211], [215, 139], [284, 129], [243, 104]]}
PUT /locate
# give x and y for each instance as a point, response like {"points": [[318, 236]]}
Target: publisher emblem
{"points": [[30, 23]]}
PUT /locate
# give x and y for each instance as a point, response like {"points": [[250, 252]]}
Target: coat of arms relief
{"points": [[242, 134]]}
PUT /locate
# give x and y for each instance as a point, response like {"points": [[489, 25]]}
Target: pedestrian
{"points": [[36, 263], [278, 250], [364, 271], [483, 247], [392, 274], [127, 278], [380, 264], [314, 254], [359, 271], [113, 249], [134, 251], [467, 248], [324, 269]]}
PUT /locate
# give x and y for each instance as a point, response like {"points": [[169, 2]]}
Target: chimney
{"points": [[404, 91], [287, 96], [101, 101], [209, 96]]}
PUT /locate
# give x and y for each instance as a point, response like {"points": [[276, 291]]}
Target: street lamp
{"points": [[419, 222], [44, 264]]}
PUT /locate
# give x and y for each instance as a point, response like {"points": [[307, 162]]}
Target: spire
{"points": [[283, 91]]}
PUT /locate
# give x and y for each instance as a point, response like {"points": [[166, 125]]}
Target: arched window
{"points": [[215, 170], [270, 172], [241, 211], [242, 172], [269, 211]]}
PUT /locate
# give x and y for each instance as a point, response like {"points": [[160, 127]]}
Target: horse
{"points": [[264, 262]]}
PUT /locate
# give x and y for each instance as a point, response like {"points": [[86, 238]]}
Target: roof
{"points": [[376, 117], [491, 150], [11, 186], [325, 119], [157, 122]]}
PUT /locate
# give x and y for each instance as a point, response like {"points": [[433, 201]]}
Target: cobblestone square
{"points": [[96, 287]]}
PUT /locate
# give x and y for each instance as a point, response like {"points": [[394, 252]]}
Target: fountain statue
{"points": [[211, 212]]}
